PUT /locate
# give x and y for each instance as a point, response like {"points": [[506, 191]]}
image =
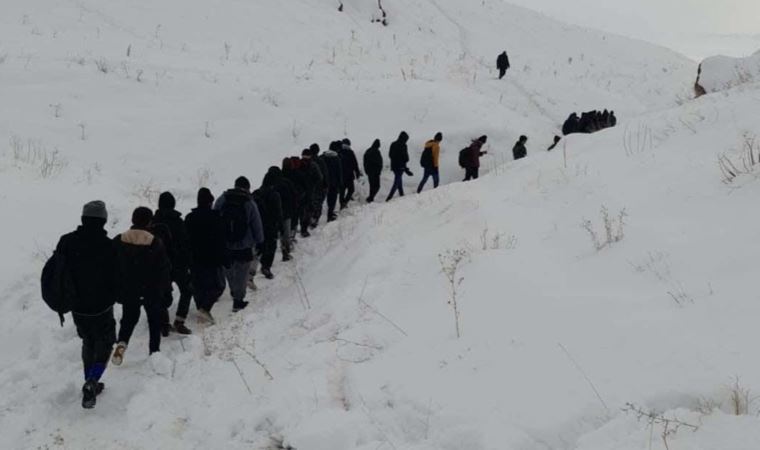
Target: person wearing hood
{"points": [[207, 247], [321, 191], [270, 208], [351, 172], [519, 151], [399, 156], [332, 161], [179, 254], [373, 167], [289, 201], [502, 63], [93, 264], [430, 161], [571, 125], [474, 152], [242, 232], [146, 279]]}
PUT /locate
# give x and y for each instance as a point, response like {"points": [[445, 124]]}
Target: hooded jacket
{"points": [[144, 267], [399, 153], [373, 160]]}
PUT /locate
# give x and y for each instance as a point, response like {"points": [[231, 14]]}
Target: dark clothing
{"points": [[474, 153], [373, 161], [94, 268], [398, 183], [254, 232], [335, 174], [399, 155], [270, 207], [144, 266], [185, 286], [180, 242], [98, 333], [288, 197], [429, 172], [237, 279], [571, 125], [374, 186], [208, 284], [471, 173], [519, 151], [502, 63], [206, 236], [351, 172], [131, 315]]}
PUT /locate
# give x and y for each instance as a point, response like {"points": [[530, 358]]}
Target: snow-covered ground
{"points": [[353, 345], [720, 73]]}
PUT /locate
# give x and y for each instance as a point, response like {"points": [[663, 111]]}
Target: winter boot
{"points": [[239, 306], [179, 327], [305, 233], [286, 257], [166, 329], [267, 272], [89, 394], [118, 353], [205, 316]]}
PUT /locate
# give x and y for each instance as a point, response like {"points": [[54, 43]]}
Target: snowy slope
{"points": [[720, 73], [353, 346]]}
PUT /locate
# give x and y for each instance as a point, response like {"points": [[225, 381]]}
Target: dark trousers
{"points": [[317, 203], [130, 315], [98, 335], [285, 237], [431, 172], [185, 286], [471, 173], [268, 250], [374, 186], [307, 212], [209, 286], [237, 278], [332, 200], [398, 183], [347, 193], [502, 72]]}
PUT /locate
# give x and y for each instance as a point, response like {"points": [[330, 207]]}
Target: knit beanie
{"points": [[95, 209]]}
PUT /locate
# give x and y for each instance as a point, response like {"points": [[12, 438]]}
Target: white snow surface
{"points": [[719, 73], [353, 345]]}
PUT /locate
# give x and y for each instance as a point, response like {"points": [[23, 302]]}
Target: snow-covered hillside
{"points": [[720, 73], [353, 345]]}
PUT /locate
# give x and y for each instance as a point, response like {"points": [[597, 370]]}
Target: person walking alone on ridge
{"points": [[430, 161], [502, 63]]}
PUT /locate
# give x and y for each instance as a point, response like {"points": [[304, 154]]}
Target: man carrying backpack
{"points": [[207, 245], [243, 231], [429, 161], [144, 282], [87, 259], [179, 255]]}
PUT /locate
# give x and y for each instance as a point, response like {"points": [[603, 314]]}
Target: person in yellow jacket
{"points": [[429, 161]]}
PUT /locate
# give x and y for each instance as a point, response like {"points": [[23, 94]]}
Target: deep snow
{"points": [[664, 319]]}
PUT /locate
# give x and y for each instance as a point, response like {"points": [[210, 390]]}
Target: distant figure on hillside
{"points": [[571, 124], [399, 155], [470, 158], [502, 63], [430, 161], [351, 172], [556, 142], [313, 182], [373, 167], [89, 258], [334, 174], [612, 119], [519, 151]]}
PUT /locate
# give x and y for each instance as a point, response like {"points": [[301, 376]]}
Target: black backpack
{"points": [[57, 284], [235, 216], [463, 157], [426, 160]]}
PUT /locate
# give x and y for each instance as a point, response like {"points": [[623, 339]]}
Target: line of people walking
{"points": [[223, 242]]}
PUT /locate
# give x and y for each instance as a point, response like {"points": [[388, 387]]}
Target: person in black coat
{"points": [[288, 199], [291, 172], [145, 279], [179, 256], [314, 181], [502, 63], [91, 257], [208, 248], [270, 208], [554, 145], [351, 172], [571, 125], [373, 167], [322, 190], [519, 151], [399, 155], [332, 161]]}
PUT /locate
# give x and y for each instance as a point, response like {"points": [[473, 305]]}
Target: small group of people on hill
{"points": [[589, 122]]}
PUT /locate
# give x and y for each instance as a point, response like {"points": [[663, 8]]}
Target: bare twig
{"points": [[588, 380]]}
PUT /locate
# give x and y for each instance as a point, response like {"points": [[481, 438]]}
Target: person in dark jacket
{"points": [[270, 208], [373, 167], [475, 151], [613, 119], [571, 125], [207, 247], [91, 257], [243, 231], [144, 281], [321, 191], [519, 151], [289, 199], [399, 156], [314, 181], [167, 215], [332, 161], [555, 143], [430, 161], [502, 63], [351, 172]]}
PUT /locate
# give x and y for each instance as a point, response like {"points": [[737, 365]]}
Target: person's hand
{"points": [[408, 172]]}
